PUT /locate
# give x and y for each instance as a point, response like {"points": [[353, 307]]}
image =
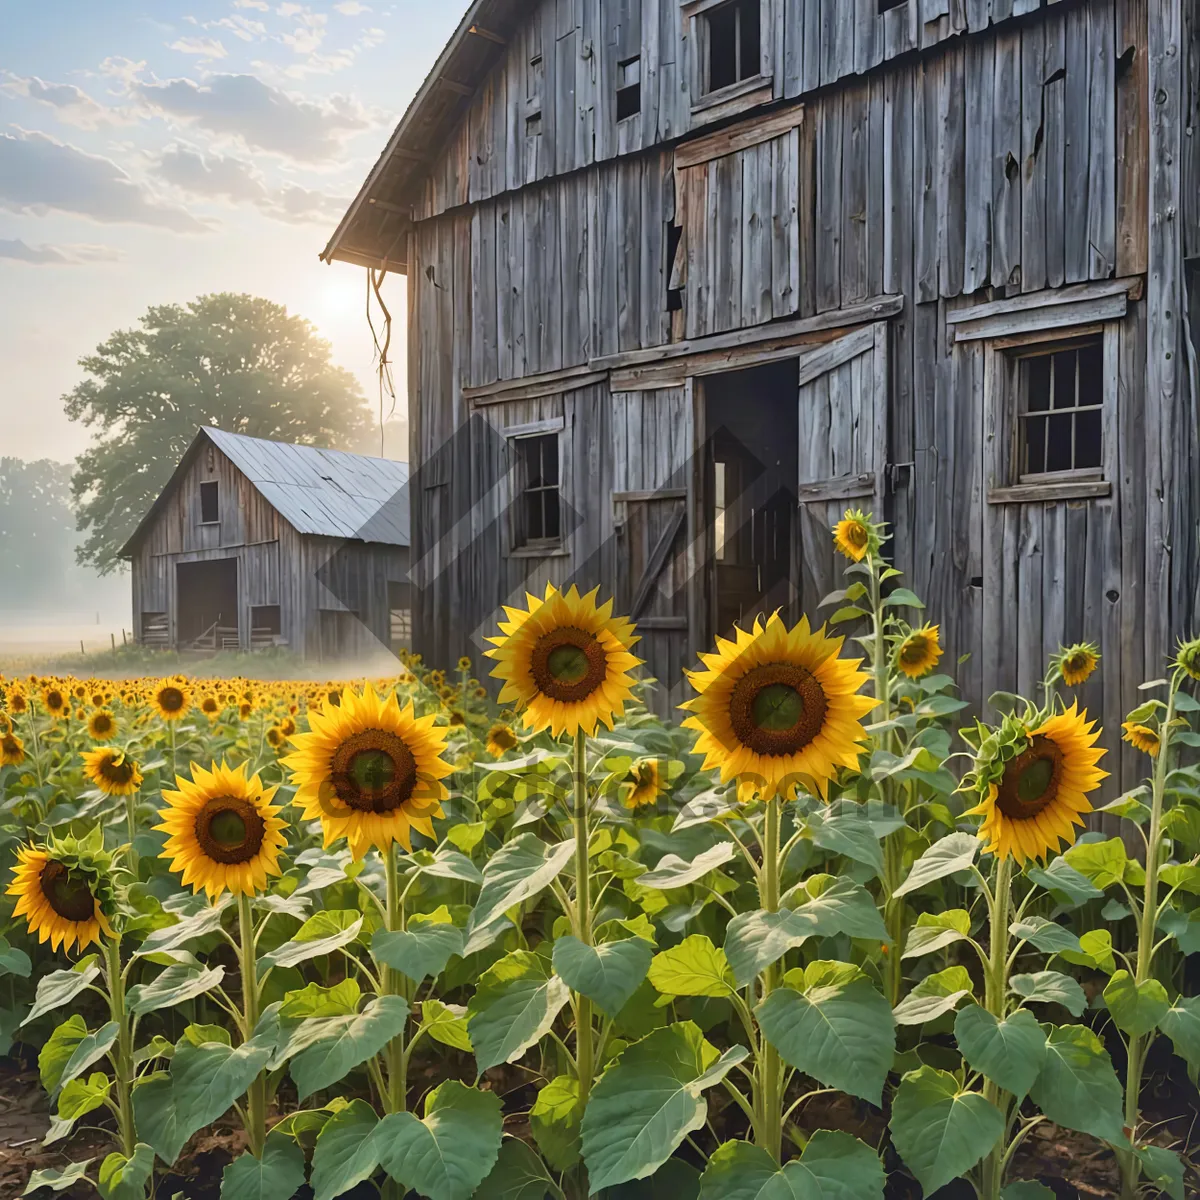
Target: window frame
{"points": [[733, 98], [1004, 400], [215, 484], [533, 547]]}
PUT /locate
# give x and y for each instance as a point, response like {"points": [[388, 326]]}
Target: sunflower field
{"points": [[828, 936]]}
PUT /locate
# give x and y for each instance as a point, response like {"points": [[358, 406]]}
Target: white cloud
{"points": [[207, 49], [289, 10], [124, 70], [39, 174], [351, 8], [236, 181], [55, 256], [259, 115], [240, 27], [72, 105], [259, 5]]}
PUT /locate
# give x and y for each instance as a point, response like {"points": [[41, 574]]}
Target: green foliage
{"points": [[834, 1166], [236, 362]]}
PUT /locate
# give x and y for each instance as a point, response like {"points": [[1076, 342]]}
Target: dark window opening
{"points": [[886, 5], [1061, 413], [674, 268], [210, 508], [734, 43], [629, 88], [539, 506], [265, 624], [533, 124]]}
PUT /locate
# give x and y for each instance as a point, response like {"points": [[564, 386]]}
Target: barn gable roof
{"points": [[372, 233], [325, 493]]}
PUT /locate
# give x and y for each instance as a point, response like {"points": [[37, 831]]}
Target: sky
{"points": [[155, 151]]}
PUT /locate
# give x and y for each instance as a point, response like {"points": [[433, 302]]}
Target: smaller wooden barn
{"points": [[254, 543]]}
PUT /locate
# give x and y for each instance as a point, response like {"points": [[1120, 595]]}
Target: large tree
{"points": [[37, 533], [235, 362]]}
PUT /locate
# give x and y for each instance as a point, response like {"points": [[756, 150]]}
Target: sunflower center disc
{"points": [[913, 651], [68, 894], [568, 664], [117, 769], [1031, 780], [374, 771], [777, 709], [229, 829], [171, 699]]}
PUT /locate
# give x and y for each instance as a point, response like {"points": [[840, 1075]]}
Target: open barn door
{"points": [[843, 405]]}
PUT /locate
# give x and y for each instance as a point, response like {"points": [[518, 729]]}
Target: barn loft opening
{"points": [[206, 594], [734, 43], [887, 5], [1061, 413], [210, 503], [752, 416]]}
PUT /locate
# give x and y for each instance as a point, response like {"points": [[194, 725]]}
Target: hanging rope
{"points": [[381, 362]]}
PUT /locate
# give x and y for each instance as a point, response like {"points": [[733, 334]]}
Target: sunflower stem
{"points": [[768, 1091], [122, 1058], [585, 1064], [256, 1097], [394, 985], [995, 993], [893, 911], [131, 829], [1147, 924]]}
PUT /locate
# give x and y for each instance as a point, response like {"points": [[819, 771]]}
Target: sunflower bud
{"points": [[1076, 663], [857, 536], [1188, 657]]}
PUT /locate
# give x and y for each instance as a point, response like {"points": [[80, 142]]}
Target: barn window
{"points": [[674, 267], [540, 518], [734, 39], [210, 505], [629, 88], [886, 5], [1060, 419], [400, 614]]}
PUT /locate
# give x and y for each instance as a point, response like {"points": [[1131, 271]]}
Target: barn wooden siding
{"points": [[276, 565], [1019, 151]]}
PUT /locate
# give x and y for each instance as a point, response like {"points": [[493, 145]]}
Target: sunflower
{"points": [[464, 663], [1141, 737], [16, 701], [210, 706], [1188, 657], [102, 726], [223, 832], [112, 771], [918, 654], [56, 702], [12, 750], [855, 536], [777, 707], [287, 727], [171, 699], [1076, 663], [275, 737], [565, 661], [1033, 800], [647, 781], [500, 740], [59, 897], [370, 771]]}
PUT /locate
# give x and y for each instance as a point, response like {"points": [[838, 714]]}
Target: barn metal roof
{"points": [[326, 493]]}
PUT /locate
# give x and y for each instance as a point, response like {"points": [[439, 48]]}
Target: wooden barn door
{"points": [[843, 398], [656, 577]]}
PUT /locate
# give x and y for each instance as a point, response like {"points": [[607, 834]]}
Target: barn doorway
{"points": [[752, 424], [206, 616]]}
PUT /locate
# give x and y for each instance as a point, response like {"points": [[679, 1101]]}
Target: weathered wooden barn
{"points": [[255, 543], [686, 279]]}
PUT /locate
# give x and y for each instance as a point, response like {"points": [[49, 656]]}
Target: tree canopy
{"points": [[235, 362]]}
